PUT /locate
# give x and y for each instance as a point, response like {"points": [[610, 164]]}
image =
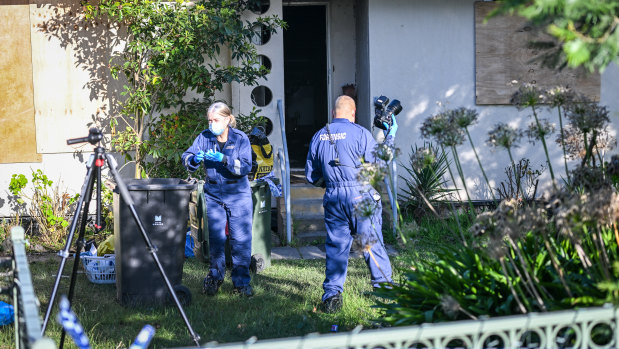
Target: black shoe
{"points": [[246, 291], [333, 304], [211, 286]]}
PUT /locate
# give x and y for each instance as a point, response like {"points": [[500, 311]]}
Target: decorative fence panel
{"points": [[583, 328]]}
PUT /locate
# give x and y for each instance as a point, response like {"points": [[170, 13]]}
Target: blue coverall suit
{"points": [[343, 192], [228, 199]]}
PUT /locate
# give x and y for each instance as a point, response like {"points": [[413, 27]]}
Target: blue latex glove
{"points": [[198, 157], [214, 156], [393, 129]]}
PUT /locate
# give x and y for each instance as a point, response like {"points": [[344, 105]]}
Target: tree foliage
{"points": [[171, 48], [586, 29]]}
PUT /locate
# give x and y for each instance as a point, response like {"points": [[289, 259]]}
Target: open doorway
{"points": [[305, 77]]}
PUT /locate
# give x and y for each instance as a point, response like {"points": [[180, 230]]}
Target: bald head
{"points": [[345, 108]]}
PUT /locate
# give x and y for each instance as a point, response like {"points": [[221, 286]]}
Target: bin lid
{"points": [[159, 184]]}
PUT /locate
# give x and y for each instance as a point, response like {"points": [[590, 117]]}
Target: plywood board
{"points": [[72, 84], [17, 125], [503, 60]]}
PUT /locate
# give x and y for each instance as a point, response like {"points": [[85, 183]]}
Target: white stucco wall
{"points": [[423, 53], [363, 63], [343, 43]]}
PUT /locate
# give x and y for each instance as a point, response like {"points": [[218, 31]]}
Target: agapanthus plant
{"points": [[446, 132], [426, 169], [530, 96], [591, 119], [372, 175], [463, 118], [559, 97], [538, 131], [507, 137]]}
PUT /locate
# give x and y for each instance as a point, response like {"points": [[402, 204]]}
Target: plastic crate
{"points": [[100, 270]]}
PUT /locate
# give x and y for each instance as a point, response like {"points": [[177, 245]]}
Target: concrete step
{"points": [[311, 236], [306, 207], [306, 191], [298, 177], [308, 223]]}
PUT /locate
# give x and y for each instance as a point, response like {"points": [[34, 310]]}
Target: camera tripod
{"points": [[94, 166]]}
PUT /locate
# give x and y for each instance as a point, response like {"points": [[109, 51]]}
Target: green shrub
{"points": [[425, 183], [170, 136], [48, 205], [524, 259]]}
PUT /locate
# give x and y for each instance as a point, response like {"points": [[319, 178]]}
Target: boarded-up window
{"points": [[504, 60], [17, 128]]}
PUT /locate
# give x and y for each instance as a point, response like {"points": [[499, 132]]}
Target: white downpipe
{"points": [[394, 203], [286, 171]]}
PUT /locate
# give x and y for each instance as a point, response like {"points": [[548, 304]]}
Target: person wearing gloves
{"points": [[225, 152], [333, 162]]}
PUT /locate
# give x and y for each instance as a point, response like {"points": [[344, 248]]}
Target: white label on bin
{"points": [[262, 204], [157, 220]]}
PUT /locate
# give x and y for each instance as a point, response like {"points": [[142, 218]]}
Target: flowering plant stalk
{"points": [[558, 97], [505, 136], [530, 96], [442, 128], [373, 174], [464, 118]]}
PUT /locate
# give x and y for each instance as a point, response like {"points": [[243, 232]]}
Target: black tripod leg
{"points": [[79, 245], [64, 253], [124, 193]]}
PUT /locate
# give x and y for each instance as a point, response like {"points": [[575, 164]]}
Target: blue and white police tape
{"points": [[71, 325], [276, 189], [144, 337]]}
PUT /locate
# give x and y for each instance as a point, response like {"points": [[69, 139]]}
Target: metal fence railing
{"points": [[582, 328]]}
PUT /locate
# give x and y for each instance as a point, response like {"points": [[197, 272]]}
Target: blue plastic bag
{"points": [[7, 314], [189, 245]]}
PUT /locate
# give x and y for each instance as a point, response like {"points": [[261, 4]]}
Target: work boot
{"points": [[333, 304], [211, 286], [246, 291]]}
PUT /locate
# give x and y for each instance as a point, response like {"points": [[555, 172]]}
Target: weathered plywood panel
{"points": [[70, 71], [503, 61], [17, 126]]}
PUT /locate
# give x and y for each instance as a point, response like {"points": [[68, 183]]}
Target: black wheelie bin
{"points": [[163, 207]]}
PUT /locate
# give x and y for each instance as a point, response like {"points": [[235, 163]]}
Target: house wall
{"points": [[71, 91], [363, 63], [423, 53], [343, 42]]}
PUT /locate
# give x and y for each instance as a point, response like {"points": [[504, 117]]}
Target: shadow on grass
{"points": [[286, 303]]}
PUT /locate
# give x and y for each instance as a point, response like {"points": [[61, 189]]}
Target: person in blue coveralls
{"points": [[225, 152], [333, 162]]}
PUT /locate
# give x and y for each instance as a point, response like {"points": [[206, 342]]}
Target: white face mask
{"points": [[216, 128], [217, 125]]}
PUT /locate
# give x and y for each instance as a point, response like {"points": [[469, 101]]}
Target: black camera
{"points": [[383, 111]]}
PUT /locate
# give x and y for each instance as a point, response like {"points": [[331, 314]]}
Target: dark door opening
{"points": [[305, 77]]}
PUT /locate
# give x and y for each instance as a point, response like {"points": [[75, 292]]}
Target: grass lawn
{"points": [[286, 303]]}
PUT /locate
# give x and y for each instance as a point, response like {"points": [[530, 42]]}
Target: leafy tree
{"points": [[586, 29], [171, 48]]}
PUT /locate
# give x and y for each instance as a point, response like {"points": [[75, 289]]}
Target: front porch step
{"points": [[309, 237], [308, 223], [307, 208], [306, 191], [308, 219]]}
